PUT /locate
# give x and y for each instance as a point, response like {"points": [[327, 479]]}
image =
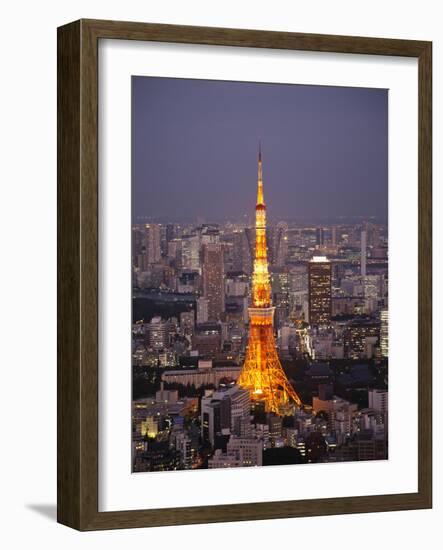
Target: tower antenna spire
{"points": [[260, 197]]}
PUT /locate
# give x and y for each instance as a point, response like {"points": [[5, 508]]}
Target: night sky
{"points": [[195, 142]]}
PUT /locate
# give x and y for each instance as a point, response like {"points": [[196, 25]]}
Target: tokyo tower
{"points": [[262, 372]]}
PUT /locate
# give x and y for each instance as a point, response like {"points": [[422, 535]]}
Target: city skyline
{"points": [[256, 343], [198, 139]]}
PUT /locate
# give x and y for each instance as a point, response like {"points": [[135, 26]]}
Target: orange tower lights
{"points": [[262, 372]]}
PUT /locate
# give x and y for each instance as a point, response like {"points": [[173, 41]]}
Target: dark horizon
{"points": [[195, 144]]}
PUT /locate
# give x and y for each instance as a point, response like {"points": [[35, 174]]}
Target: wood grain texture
{"points": [[78, 270], [68, 276]]}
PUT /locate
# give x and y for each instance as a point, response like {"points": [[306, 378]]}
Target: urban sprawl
{"points": [[213, 388]]}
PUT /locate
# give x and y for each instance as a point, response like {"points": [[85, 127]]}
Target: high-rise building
{"points": [[146, 245], [262, 373], [215, 417], [191, 252], [171, 232], [319, 236], [226, 410], [213, 280], [152, 243], [280, 284], [363, 244], [320, 282], [137, 245], [299, 295], [174, 253], [242, 259], [281, 244], [384, 333]]}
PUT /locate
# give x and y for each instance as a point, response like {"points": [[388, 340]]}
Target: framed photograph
{"points": [[244, 275]]}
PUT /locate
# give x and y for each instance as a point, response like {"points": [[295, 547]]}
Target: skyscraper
{"points": [[281, 244], [320, 281], [242, 260], [146, 245], [191, 252], [319, 236], [153, 250], [363, 243], [213, 280], [262, 373]]}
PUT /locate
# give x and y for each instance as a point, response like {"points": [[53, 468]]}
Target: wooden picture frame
{"points": [[78, 274]]}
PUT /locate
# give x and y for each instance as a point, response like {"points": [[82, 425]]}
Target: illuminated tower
{"points": [[262, 372]]}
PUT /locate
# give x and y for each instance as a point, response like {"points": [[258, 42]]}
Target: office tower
{"points": [[363, 240], [146, 246], [137, 245], [215, 417], [224, 410], [299, 295], [262, 373], [240, 404], [174, 253], [213, 280], [242, 260], [281, 244], [171, 232], [319, 236], [191, 252], [384, 333], [319, 276], [152, 243], [334, 235], [280, 284]]}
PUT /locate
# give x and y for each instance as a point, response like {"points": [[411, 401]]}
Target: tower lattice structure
{"points": [[262, 372]]}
